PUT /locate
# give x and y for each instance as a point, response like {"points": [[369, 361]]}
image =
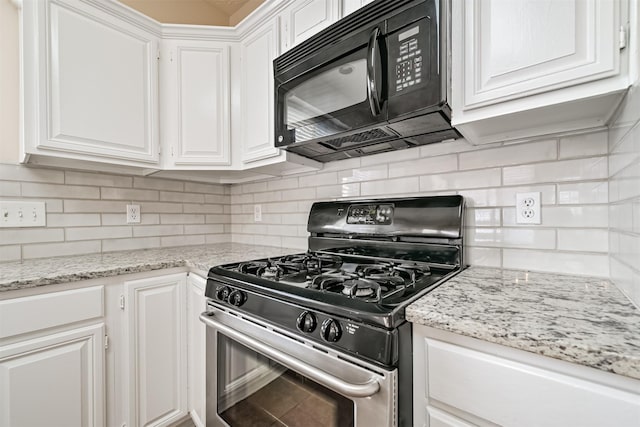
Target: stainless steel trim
{"points": [[367, 389]]}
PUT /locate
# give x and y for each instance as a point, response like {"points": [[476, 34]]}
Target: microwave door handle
{"points": [[372, 91]]}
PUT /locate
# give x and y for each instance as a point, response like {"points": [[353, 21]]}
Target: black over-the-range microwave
{"points": [[374, 81]]}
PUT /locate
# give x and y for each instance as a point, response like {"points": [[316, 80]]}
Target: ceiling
{"points": [[196, 12]]}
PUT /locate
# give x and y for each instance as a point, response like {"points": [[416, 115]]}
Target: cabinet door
{"points": [[195, 102], [90, 82], [512, 49], [349, 6], [157, 344], [55, 380], [306, 18], [257, 51], [196, 304]]}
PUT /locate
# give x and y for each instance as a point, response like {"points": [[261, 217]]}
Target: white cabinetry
{"points": [[195, 103], [156, 340], [196, 304], [349, 6], [257, 51], [528, 67], [302, 19], [52, 359], [459, 381], [90, 83]]}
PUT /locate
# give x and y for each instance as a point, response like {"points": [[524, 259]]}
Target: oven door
{"points": [[258, 375]]}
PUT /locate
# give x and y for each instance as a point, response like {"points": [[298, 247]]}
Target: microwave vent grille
{"points": [[338, 31], [370, 135]]}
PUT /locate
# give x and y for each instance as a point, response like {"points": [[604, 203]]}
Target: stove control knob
{"points": [[330, 330], [237, 298], [222, 293], [306, 322]]}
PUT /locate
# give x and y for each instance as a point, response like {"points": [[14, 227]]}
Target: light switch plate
{"points": [[22, 214], [528, 208]]}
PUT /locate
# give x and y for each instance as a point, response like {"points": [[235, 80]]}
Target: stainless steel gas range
{"points": [[320, 338]]}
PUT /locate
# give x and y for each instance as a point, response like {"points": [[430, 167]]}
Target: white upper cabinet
{"points": [[90, 83], [522, 61], [349, 6], [257, 52], [302, 19], [195, 103]]}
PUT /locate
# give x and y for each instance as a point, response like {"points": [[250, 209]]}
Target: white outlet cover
{"points": [[257, 213], [528, 208], [133, 214]]}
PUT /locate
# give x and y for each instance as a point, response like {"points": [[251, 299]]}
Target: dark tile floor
{"points": [[291, 401]]}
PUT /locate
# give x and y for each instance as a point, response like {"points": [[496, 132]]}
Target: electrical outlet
{"points": [[528, 208], [257, 213], [22, 214], [133, 214]]}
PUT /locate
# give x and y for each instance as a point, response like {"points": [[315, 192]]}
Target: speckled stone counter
{"points": [[49, 271], [583, 320]]}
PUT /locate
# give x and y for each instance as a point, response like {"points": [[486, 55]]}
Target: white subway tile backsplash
{"points": [[157, 230], [583, 240], [217, 238], [158, 207], [509, 155], [171, 196], [282, 207], [390, 186], [158, 184], [241, 198], [254, 187], [456, 146], [486, 257], [35, 189], [203, 229], [370, 173], [217, 199], [45, 250], [121, 219], [271, 196], [337, 191], [559, 171], [10, 252], [99, 180], [583, 193], [282, 184], [512, 238], [73, 220], [390, 157], [208, 189], [202, 208], [282, 230], [132, 195], [591, 144], [294, 242], [430, 165], [326, 178], [91, 206], [169, 241], [483, 217], [182, 219], [461, 180], [9, 188], [12, 236], [295, 218], [556, 262], [299, 194], [93, 233], [130, 244]]}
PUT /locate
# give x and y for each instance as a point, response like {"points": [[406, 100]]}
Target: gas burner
{"points": [[311, 263], [360, 288]]}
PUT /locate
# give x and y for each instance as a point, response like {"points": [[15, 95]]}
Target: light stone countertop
{"points": [[50, 271], [583, 320]]}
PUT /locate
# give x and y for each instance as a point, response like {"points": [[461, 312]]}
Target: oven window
{"points": [[253, 390]]}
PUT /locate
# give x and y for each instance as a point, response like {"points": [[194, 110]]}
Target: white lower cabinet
{"points": [[156, 354], [462, 382], [52, 367], [196, 330]]}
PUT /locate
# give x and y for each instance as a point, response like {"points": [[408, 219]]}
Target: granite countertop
{"points": [[583, 320], [50, 271]]}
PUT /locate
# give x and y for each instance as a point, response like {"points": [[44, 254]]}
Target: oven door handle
{"points": [[367, 389]]}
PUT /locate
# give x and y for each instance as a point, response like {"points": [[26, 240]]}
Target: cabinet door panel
{"points": [[257, 54], [157, 350], [98, 84], [309, 17], [516, 48], [56, 380], [197, 118]]}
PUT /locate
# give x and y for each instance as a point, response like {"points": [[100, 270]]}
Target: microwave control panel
{"points": [[409, 46]]}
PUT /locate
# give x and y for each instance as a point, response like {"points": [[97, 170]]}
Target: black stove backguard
{"points": [[430, 229]]}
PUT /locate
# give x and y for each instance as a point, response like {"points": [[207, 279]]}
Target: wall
{"points": [[624, 196], [86, 212], [571, 174]]}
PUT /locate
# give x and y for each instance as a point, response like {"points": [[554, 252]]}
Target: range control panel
{"points": [[409, 47], [370, 214]]}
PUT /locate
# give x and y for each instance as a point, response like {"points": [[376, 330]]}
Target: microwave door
{"points": [[333, 98]]}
